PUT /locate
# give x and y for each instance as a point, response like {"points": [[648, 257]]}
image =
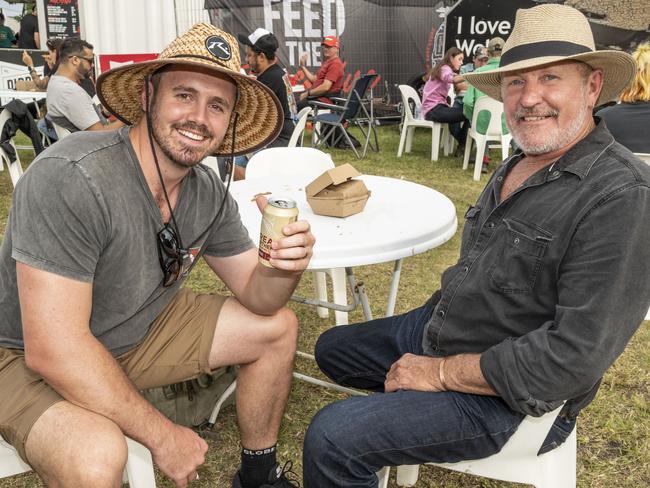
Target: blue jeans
{"points": [[348, 441]]}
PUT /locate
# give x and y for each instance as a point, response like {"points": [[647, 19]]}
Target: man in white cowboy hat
{"points": [[103, 230], [552, 281]]}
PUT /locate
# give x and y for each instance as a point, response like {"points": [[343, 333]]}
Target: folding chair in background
{"points": [[332, 126]]}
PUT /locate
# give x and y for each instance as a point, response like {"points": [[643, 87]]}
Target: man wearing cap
{"points": [[104, 229], [328, 81], [261, 46], [479, 58], [552, 281]]}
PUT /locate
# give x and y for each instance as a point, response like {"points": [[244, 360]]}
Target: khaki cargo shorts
{"points": [[176, 348]]}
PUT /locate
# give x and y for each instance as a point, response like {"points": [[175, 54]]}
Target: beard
{"points": [[556, 138], [181, 155]]}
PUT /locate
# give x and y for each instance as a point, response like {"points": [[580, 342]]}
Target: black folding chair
{"points": [[352, 111]]}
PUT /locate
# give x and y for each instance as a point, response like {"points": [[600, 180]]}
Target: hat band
{"points": [[540, 50], [197, 56]]}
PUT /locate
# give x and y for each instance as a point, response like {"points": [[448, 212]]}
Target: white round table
{"points": [[401, 219]]}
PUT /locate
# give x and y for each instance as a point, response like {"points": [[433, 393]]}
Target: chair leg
{"points": [[478, 162], [407, 475], [383, 475], [321, 293], [339, 293], [468, 150], [505, 146], [139, 466], [15, 171], [402, 141], [435, 141], [409, 139], [222, 399]]}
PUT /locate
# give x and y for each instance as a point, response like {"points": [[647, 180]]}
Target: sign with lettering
{"points": [[472, 22], [61, 18]]}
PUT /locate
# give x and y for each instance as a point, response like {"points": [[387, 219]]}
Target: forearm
{"points": [[269, 289], [84, 373], [308, 74], [462, 373], [319, 90]]}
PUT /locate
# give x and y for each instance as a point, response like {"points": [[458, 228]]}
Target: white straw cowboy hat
{"points": [[551, 33], [260, 114]]}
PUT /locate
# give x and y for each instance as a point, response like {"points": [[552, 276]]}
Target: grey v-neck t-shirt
{"points": [[83, 210]]}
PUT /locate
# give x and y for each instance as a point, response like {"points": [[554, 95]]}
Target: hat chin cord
{"points": [[229, 163]]}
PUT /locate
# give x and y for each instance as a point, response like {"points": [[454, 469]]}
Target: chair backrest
{"points": [[356, 95], [409, 95], [300, 127], [642, 156], [290, 162], [495, 108], [61, 132], [5, 115]]}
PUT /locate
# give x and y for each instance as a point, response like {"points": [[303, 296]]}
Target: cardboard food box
{"points": [[336, 194]]}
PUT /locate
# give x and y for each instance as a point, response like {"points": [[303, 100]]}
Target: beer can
{"points": [[279, 212]]}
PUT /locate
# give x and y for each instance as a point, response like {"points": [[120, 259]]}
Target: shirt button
{"points": [[556, 173], [499, 178], [490, 225], [434, 348], [516, 240], [466, 269], [441, 313]]}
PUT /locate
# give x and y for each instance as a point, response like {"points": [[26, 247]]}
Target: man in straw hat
{"points": [[103, 230], [552, 281]]}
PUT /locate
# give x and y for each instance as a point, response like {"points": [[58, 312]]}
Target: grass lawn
{"points": [[613, 433]]}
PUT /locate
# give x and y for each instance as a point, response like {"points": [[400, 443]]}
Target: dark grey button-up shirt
{"points": [[552, 282]]}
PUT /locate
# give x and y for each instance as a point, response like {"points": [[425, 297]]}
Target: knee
{"points": [[283, 329], [325, 349], [101, 461]]}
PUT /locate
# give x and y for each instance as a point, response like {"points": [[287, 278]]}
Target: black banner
{"points": [[61, 18]]}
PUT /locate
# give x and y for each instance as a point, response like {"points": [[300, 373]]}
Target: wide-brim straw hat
{"points": [[552, 33], [204, 46]]}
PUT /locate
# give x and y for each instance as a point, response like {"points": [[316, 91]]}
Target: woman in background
{"points": [[629, 120], [435, 105]]}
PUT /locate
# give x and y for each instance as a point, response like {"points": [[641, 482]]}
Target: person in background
{"points": [[479, 58], [494, 48], [69, 105], [29, 37], [7, 36], [435, 105], [629, 120], [50, 64], [328, 81], [261, 46]]}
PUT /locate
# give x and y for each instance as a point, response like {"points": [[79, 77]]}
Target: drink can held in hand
{"points": [[280, 212]]}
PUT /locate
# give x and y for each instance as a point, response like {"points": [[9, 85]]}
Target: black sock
{"points": [[256, 465]]}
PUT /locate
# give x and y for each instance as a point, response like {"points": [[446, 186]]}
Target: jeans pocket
{"points": [[559, 433], [519, 257]]}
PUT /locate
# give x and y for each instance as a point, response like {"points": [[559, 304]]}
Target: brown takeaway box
{"points": [[336, 194]]}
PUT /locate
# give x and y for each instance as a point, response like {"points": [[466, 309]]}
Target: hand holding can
{"points": [[279, 212]]}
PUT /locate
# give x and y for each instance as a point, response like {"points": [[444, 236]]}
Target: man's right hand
{"points": [[180, 454]]}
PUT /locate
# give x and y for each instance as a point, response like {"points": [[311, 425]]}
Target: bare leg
{"points": [[265, 347], [70, 447]]}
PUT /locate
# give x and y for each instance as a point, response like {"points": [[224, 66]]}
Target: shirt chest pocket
{"points": [[521, 247]]}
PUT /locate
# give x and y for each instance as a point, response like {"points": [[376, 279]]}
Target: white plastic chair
{"points": [[410, 123], [212, 163], [517, 462], [305, 163], [644, 157], [15, 168], [138, 471], [60, 131], [299, 130], [493, 133]]}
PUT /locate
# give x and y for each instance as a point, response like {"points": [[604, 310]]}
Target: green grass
{"points": [[613, 433]]}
